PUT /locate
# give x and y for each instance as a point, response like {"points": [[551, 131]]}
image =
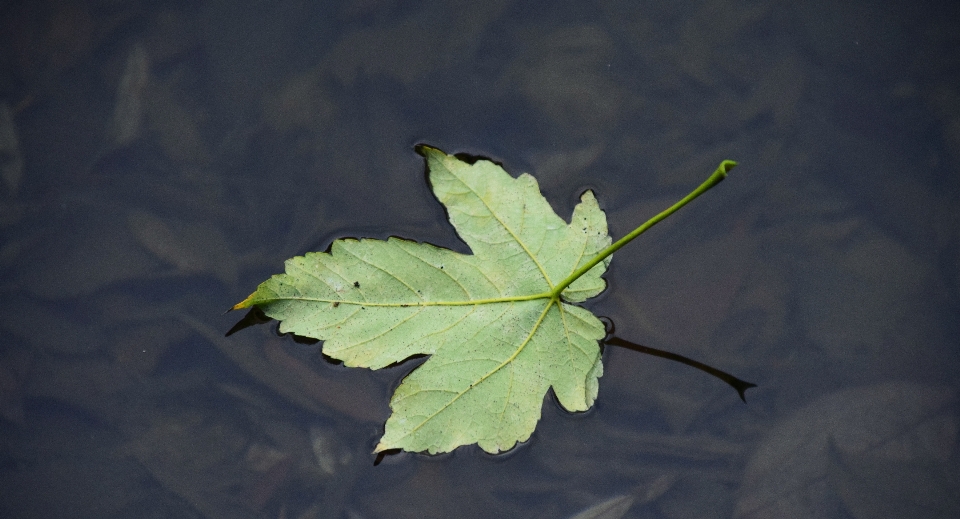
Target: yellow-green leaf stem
{"points": [[718, 175]]}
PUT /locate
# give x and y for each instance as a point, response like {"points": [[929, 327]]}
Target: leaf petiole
{"points": [[718, 175]]}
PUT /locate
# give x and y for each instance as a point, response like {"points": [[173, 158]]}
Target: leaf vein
{"points": [[385, 271], [479, 381], [507, 228]]}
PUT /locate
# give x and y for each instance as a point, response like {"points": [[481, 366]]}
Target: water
{"points": [[159, 161]]}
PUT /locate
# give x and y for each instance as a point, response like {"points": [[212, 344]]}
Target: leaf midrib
{"points": [[469, 302]]}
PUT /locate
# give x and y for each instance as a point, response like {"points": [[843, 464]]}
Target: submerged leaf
{"points": [[830, 446], [613, 508], [497, 337]]}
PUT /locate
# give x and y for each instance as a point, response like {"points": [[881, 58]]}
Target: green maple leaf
{"points": [[500, 325]]}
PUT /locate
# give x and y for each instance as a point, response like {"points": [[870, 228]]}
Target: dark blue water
{"points": [[159, 160]]}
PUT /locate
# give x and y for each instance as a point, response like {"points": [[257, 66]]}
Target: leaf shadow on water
{"points": [[740, 386]]}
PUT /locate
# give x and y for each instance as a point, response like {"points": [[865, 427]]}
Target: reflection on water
{"points": [[158, 161]]}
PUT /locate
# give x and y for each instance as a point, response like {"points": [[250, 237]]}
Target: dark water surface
{"points": [[159, 159]]}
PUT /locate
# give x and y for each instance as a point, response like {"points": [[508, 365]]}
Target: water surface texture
{"points": [[159, 159]]}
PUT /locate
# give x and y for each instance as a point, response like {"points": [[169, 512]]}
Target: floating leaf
{"points": [[499, 325]]}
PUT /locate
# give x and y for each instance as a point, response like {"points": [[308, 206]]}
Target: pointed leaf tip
{"points": [[246, 303], [423, 149]]}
